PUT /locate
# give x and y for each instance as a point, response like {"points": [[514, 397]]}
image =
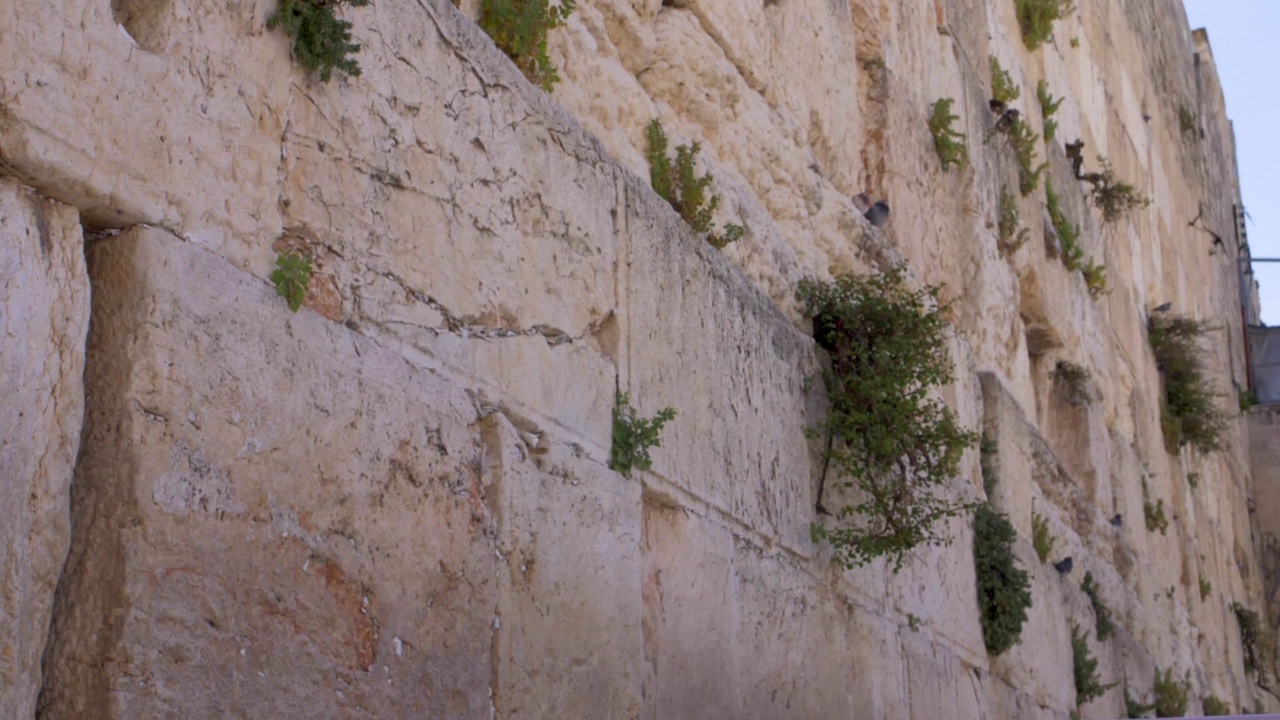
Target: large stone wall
{"points": [[397, 503]]}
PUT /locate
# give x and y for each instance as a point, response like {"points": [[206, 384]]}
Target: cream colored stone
{"points": [[44, 316]]}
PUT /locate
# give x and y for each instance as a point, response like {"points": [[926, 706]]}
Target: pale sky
{"points": [[1245, 37]]}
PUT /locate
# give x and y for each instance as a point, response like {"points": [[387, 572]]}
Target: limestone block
{"points": [[702, 340], [937, 679], [568, 640], [44, 316], [167, 112], [273, 517]]}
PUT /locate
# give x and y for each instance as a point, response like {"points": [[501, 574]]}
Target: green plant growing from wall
{"points": [[1193, 479], [519, 28], [633, 436], [1041, 540], [1067, 232], [321, 41], [1187, 121], [1103, 625], [1004, 591], [1190, 412], [1252, 646], [888, 438], [1088, 685], [1048, 106], [291, 277], [1171, 695], [1206, 588], [1036, 18], [1075, 381], [1246, 399], [987, 449], [1095, 278], [1154, 516], [1114, 197], [1011, 234], [1003, 88], [1134, 708], [1024, 140], [678, 183], [948, 143], [1214, 707]]}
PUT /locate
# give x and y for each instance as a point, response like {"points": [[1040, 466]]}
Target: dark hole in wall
{"points": [[147, 21]]}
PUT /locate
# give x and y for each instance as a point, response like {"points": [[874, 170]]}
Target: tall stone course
{"points": [[397, 503]]}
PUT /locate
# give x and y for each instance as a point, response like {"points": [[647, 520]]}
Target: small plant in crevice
{"points": [[1003, 88], [1067, 232], [948, 143], [1114, 197], [1190, 415], [1011, 235], [1193, 479], [1214, 707], [321, 41], [1075, 380], [1088, 685], [634, 436], [1188, 123], [987, 450], [1048, 106], [1041, 539], [1095, 278], [1154, 516], [1170, 695], [891, 442], [1254, 643], [1246, 399], [291, 277], [519, 28], [1024, 140], [678, 183], [913, 622], [1036, 18], [1004, 590], [1103, 625], [1135, 708], [1206, 588]]}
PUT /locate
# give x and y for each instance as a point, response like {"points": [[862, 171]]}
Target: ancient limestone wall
{"points": [[397, 503]]}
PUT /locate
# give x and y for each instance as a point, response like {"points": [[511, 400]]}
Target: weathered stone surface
{"points": [[44, 315], [272, 517]]}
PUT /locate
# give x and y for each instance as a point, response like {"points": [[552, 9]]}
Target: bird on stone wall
{"points": [[1007, 120], [997, 106], [878, 215], [1163, 307], [1063, 566]]}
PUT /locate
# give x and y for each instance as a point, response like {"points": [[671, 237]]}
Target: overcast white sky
{"points": [[1245, 36]]}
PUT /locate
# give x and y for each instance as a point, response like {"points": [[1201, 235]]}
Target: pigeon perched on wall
{"points": [[1007, 120], [1166, 307], [878, 215], [997, 106], [1117, 521], [1063, 566]]}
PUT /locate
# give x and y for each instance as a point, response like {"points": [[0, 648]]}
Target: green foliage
{"points": [[1134, 708], [1011, 233], [890, 439], [1214, 707], [1171, 695], [321, 42], [1048, 106], [1004, 591], [1191, 415], [1024, 142], [678, 183], [1187, 120], [1095, 278], [633, 436], [1068, 233], [1036, 18], [1206, 588], [1112, 196], [1251, 636], [1246, 398], [1003, 88], [1088, 685], [291, 277], [948, 143], [913, 622], [519, 28], [1075, 379], [1103, 625], [1041, 540], [1154, 516], [987, 450]]}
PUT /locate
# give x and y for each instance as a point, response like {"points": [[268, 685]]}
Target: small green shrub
{"points": [[1154, 516], [1068, 233], [948, 143], [1095, 278], [1041, 539], [1250, 637], [1112, 196], [1187, 120], [1024, 142], [1036, 18], [1048, 106], [913, 622], [1003, 88], [678, 183], [1246, 399], [519, 28], [890, 439], [1088, 685], [1075, 380], [1191, 415], [1004, 591], [1134, 708], [1206, 588], [1214, 707], [291, 277], [321, 42], [1011, 233], [1103, 625], [1171, 695], [634, 436]]}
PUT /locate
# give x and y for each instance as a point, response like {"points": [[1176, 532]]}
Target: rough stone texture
{"points": [[437, 452], [44, 315]]}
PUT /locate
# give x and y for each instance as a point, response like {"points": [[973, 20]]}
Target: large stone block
{"points": [[44, 315], [273, 517]]}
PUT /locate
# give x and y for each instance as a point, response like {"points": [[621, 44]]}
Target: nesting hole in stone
{"points": [[146, 21]]}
